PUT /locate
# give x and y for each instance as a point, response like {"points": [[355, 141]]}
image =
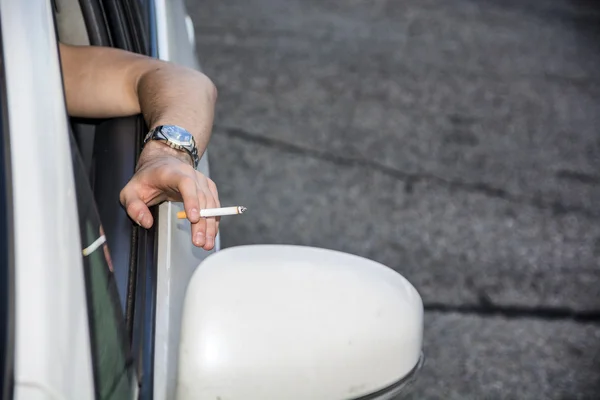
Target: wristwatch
{"points": [[177, 138]]}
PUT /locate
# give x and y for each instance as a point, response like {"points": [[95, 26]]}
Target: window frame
{"points": [[7, 260]]}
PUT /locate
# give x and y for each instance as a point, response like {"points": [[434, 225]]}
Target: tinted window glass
{"points": [[110, 352]]}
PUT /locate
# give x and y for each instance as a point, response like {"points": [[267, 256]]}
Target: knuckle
{"points": [[210, 202], [187, 181], [127, 193], [131, 208], [122, 196], [165, 174], [212, 185]]}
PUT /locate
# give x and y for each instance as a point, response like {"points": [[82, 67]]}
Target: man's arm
{"points": [[104, 82]]}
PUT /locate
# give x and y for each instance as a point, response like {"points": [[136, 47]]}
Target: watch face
{"points": [[177, 135]]}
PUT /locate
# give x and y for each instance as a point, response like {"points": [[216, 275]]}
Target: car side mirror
{"points": [[266, 322]]}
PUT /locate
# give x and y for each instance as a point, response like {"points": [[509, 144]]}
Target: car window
{"points": [[146, 11], [111, 357]]}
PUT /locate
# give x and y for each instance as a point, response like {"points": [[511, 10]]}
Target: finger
{"points": [[199, 228], [189, 194], [213, 189], [211, 223], [136, 208], [217, 223]]}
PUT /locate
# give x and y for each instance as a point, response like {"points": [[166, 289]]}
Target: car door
{"points": [[151, 267], [172, 34], [50, 324]]}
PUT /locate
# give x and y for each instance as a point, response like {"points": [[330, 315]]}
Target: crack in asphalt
{"points": [[518, 312], [410, 179]]}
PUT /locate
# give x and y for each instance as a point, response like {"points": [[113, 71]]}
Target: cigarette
{"points": [[216, 212], [94, 246]]}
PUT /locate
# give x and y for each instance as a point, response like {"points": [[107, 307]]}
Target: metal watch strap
{"points": [[158, 134]]}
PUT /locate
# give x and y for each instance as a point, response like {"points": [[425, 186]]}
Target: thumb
{"points": [[136, 208]]}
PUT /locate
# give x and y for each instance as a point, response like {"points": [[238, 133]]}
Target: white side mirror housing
{"points": [[272, 322]]}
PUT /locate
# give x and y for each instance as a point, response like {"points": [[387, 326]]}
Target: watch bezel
{"points": [[165, 134], [170, 131]]}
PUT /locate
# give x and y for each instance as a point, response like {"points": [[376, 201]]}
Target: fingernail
{"points": [[140, 219], [209, 241], [194, 213], [199, 239]]}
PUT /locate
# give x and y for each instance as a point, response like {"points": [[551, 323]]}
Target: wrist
{"points": [[156, 148]]}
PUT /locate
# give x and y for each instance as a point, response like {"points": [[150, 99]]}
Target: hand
{"points": [[165, 174]]}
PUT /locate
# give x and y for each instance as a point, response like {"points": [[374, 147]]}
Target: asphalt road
{"points": [[457, 142]]}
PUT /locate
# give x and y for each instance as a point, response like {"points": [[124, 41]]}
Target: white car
{"points": [[108, 310]]}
